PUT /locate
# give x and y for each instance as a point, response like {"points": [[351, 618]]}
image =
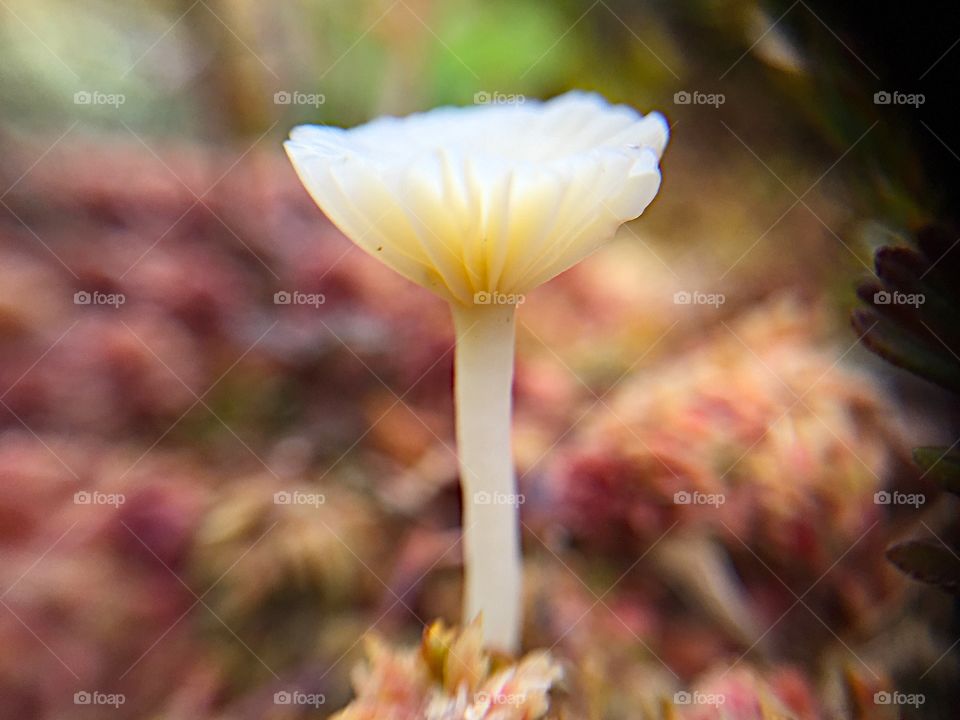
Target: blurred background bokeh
{"points": [[210, 494]]}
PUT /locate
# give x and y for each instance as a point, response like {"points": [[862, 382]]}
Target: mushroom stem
{"points": [[491, 537]]}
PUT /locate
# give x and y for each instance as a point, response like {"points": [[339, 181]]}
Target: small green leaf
{"points": [[888, 340], [928, 562]]}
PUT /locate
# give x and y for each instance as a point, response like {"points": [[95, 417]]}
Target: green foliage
{"points": [[504, 47], [912, 320]]}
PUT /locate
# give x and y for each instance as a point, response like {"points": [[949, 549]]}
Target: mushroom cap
{"points": [[494, 198]]}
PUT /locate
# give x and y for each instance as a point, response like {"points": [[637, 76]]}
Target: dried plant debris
{"points": [[452, 677]]}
